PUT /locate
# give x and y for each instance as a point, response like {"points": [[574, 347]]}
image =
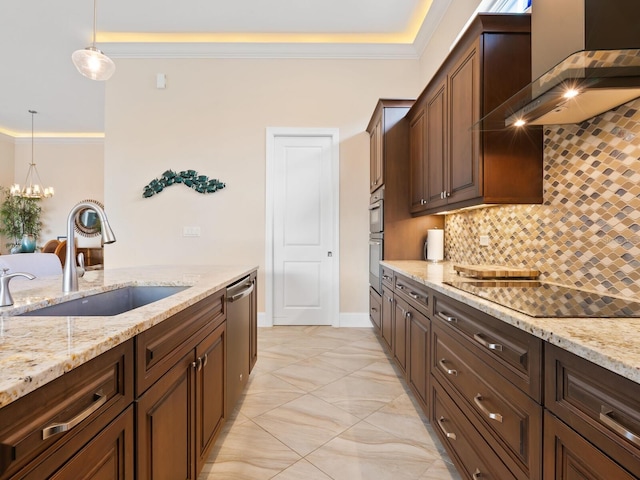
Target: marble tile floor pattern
{"points": [[324, 403]]}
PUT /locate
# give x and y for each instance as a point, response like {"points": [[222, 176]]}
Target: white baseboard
{"points": [[355, 320], [347, 320], [262, 320]]}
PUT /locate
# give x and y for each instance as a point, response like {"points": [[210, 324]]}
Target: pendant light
{"points": [[90, 61], [32, 185]]}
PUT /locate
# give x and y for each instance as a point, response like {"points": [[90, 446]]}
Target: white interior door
{"points": [[304, 224]]}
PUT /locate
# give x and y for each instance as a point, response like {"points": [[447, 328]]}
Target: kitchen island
{"points": [[511, 395], [122, 388]]}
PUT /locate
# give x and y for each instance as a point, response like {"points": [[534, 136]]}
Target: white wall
{"points": [[7, 169], [75, 168], [212, 117], [440, 43]]}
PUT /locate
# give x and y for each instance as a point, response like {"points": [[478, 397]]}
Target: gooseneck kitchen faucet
{"points": [[70, 273]]}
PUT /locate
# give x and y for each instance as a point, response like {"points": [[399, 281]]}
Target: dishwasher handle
{"points": [[243, 293]]}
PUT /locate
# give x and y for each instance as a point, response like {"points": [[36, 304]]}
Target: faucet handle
{"points": [[4, 271], [81, 268]]}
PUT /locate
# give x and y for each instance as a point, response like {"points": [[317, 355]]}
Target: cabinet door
{"points": [[210, 383], [417, 168], [436, 141], [108, 456], [375, 306], [568, 456], [164, 425], [400, 329], [464, 180], [376, 172], [418, 368], [387, 317]]}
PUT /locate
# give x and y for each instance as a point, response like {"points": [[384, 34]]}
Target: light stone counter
{"points": [[36, 350], [613, 343]]}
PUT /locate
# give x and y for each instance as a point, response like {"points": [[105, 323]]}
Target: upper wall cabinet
{"points": [[384, 139], [454, 163]]}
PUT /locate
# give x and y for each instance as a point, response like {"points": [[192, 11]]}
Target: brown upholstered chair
{"points": [[50, 246]]}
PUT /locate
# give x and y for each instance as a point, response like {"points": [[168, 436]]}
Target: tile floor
{"points": [[325, 403]]}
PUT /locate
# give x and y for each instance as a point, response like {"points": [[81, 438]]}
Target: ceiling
{"points": [[37, 38]]}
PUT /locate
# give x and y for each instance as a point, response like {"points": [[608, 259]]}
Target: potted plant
{"points": [[20, 221]]}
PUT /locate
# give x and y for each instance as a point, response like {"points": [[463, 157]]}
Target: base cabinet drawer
{"points": [[514, 353], [473, 457], [514, 419], [597, 403], [59, 418], [568, 456]]}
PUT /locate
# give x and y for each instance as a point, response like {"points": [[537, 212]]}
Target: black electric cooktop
{"points": [[538, 299]]}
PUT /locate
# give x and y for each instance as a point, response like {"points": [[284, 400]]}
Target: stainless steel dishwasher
{"points": [[238, 339]]}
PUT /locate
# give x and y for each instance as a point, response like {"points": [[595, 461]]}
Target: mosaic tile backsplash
{"points": [[587, 231]]}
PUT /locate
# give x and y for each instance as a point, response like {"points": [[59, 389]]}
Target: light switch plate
{"points": [[190, 231]]}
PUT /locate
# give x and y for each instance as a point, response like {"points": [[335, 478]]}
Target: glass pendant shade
{"points": [[93, 64], [90, 61]]}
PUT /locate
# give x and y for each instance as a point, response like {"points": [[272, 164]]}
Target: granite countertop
{"points": [[35, 350], [612, 343]]}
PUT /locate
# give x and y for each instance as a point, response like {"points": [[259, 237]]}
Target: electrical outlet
{"points": [[484, 240]]}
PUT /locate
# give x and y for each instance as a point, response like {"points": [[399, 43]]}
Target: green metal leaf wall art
{"points": [[189, 178]]}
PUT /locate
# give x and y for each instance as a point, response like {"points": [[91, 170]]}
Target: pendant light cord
{"points": [[94, 23]]}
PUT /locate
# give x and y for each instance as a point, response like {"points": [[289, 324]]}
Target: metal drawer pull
{"points": [[452, 436], [407, 315], [605, 417], [493, 416], [491, 346], [399, 286], [55, 428], [448, 371], [477, 474], [447, 318], [374, 309], [390, 299], [206, 359], [386, 277]]}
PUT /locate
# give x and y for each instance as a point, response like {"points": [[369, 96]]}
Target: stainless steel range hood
{"points": [[585, 61]]}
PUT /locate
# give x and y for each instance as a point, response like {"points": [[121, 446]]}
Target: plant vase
{"points": [[28, 243]]}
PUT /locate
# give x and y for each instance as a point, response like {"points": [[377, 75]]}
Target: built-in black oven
{"points": [[376, 237], [376, 248], [376, 211]]}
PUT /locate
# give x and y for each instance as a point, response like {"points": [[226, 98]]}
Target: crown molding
{"points": [[261, 50], [432, 20], [60, 140]]}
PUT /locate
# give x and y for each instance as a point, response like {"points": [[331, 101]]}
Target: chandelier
{"points": [[32, 185]]}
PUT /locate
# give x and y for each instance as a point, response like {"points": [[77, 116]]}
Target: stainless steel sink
{"points": [[113, 302]]}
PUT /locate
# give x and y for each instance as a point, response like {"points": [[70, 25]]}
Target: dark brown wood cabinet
{"points": [[375, 309], [493, 372], [376, 160], [48, 432], [401, 318], [179, 416], [455, 163], [418, 363], [388, 311], [591, 409], [389, 139], [568, 456]]}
